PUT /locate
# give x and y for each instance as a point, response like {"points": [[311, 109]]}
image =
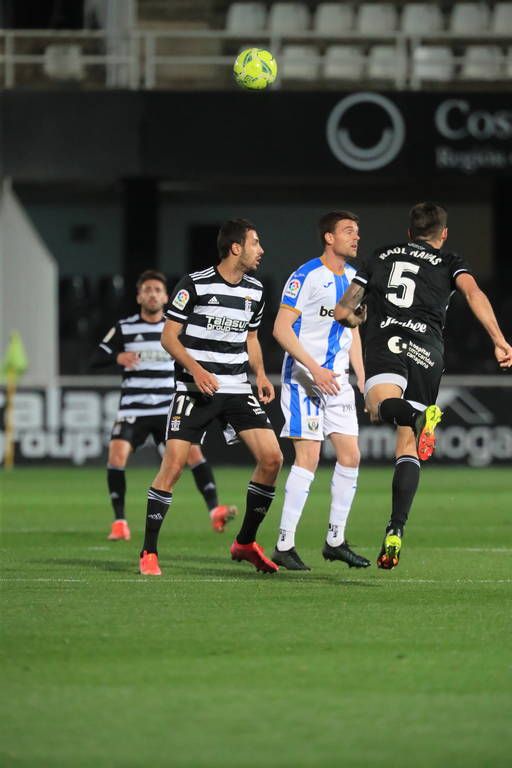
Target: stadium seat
{"points": [[421, 19], [287, 18], [299, 62], [501, 20], [386, 62], [469, 18], [377, 17], [246, 17], [508, 64], [481, 62], [434, 62], [63, 62], [333, 19], [343, 62]]}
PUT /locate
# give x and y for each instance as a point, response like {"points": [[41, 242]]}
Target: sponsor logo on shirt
{"points": [[180, 301], [293, 288], [324, 312], [413, 325], [414, 352], [225, 324]]}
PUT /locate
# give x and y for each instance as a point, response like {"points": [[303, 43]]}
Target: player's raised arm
{"points": [[265, 388], [206, 382], [483, 311], [284, 334], [349, 311]]}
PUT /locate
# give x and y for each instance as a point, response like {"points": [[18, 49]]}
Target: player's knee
{"points": [[350, 458], [271, 462], [117, 459]]}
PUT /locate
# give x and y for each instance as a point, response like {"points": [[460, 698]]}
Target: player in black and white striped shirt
{"points": [[212, 334], [146, 390]]}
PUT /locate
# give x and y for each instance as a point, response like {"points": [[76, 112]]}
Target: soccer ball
{"points": [[255, 68]]}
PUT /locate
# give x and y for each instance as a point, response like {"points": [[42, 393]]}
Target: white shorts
{"points": [[309, 416]]}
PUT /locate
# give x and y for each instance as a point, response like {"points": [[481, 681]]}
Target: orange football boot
{"points": [[148, 564]]}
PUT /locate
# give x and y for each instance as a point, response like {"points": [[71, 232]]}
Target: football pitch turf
{"points": [[216, 665]]}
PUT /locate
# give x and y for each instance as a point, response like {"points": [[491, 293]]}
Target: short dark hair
{"points": [[232, 231], [329, 220], [151, 274], [427, 220]]}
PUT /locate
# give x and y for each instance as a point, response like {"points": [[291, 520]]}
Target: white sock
{"points": [[343, 489], [295, 496]]}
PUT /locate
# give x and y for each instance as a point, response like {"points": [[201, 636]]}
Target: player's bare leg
{"points": [[159, 500], [263, 445], [118, 454]]}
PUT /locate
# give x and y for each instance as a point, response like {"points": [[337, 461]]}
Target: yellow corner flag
{"points": [[14, 365]]}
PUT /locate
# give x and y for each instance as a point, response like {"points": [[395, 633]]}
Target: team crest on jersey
{"points": [[180, 301], [248, 304], [175, 423], [313, 423], [293, 288]]}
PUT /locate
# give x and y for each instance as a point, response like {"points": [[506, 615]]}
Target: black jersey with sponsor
{"points": [[146, 389], [409, 286], [216, 317]]}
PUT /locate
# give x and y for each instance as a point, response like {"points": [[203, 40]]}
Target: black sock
{"points": [[259, 499], [116, 481], [158, 504], [205, 483], [405, 485], [398, 412]]}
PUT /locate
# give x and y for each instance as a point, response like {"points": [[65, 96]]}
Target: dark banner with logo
{"points": [[236, 136], [72, 426]]}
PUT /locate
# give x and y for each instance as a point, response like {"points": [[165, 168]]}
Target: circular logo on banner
{"points": [[344, 145]]}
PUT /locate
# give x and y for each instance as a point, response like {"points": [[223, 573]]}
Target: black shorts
{"points": [[136, 430], [191, 413], [414, 364]]}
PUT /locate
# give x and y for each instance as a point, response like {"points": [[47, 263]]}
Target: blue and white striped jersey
{"points": [[312, 291]]}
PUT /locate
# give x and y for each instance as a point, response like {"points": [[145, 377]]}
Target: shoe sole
{"points": [[391, 556], [426, 438], [261, 567]]}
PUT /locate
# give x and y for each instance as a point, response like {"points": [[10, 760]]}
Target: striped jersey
{"points": [[216, 317], [312, 292], [147, 389]]}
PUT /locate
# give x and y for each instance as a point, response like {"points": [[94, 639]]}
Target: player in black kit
{"points": [[404, 291]]}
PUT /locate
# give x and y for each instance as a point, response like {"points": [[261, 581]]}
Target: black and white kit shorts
{"points": [[414, 365], [191, 413], [136, 430]]}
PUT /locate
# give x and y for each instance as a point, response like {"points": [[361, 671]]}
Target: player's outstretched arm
{"points": [[483, 311], [206, 382], [284, 334], [265, 388], [349, 311]]}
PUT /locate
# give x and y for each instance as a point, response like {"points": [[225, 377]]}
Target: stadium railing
{"points": [[141, 58]]}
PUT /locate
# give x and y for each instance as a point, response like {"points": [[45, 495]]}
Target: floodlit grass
{"points": [[216, 665]]}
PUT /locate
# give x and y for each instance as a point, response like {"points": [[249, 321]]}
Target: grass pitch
{"points": [[215, 665]]}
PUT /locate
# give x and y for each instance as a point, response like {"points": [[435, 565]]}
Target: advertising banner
{"points": [[72, 425]]}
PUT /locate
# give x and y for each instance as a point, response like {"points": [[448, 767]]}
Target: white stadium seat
{"points": [[385, 62], [299, 62], [434, 62], [246, 17], [481, 62], [469, 18], [421, 19], [501, 21], [63, 62], [287, 18], [333, 19], [343, 62], [377, 17]]}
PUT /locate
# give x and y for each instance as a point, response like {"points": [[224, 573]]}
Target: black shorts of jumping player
{"points": [[414, 365], [136, 429], [191, 413]]}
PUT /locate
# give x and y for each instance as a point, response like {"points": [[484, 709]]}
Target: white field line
{"points": [[231, 580]]}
